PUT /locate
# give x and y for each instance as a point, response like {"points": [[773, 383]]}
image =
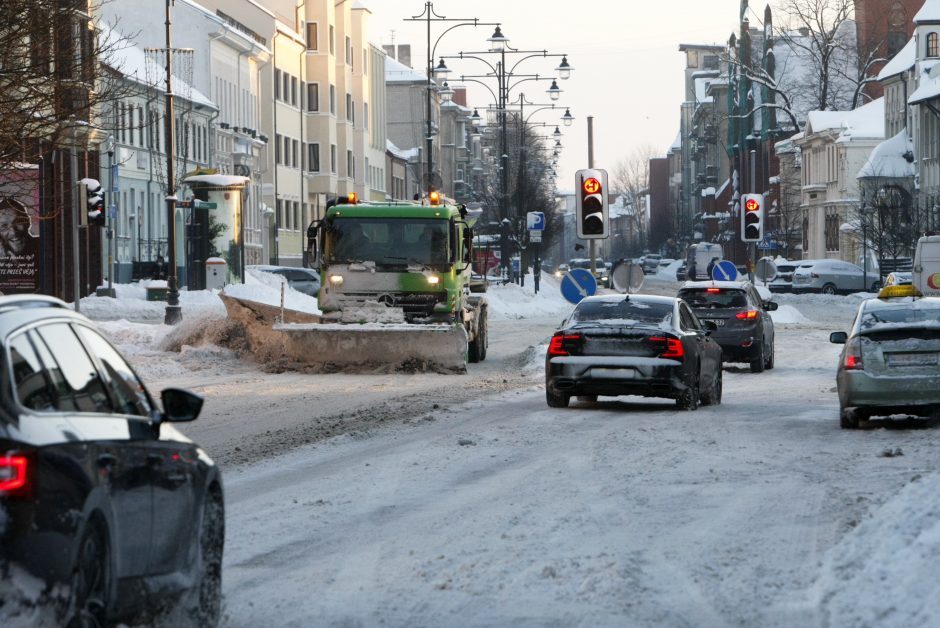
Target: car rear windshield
{"points": [[713, 298], [624, 312], [900, 317]]}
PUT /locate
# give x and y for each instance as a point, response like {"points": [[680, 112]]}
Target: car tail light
{"points": [[712, 290], [15, 470], [565, 344], [853, 356], [674, 349], [749, 315]]}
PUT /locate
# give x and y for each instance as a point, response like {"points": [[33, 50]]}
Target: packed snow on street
{"points": [[419, 499]]}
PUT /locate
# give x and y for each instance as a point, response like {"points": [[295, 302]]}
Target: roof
{"points": [[900, 62], [727, 285], [394, 209], [616, 298], [888, 160], [398, 72], [217, 180], [866, 122], [928, 13], [928, 84], [407, 155]]}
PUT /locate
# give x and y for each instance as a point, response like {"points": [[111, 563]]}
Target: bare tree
{"points": [[50, 80]]}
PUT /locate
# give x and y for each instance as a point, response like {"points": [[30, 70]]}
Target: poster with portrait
{"points": [[19, 229]]}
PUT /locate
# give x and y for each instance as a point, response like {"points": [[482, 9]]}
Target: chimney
{"points": [[404, 54], [460, 96], [389, 50]]}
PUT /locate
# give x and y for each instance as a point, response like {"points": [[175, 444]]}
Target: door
{"points": [[170, 464], [116, 444]]}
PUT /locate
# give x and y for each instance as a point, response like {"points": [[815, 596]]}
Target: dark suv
{"points": [[98, 491], [745, 329]]}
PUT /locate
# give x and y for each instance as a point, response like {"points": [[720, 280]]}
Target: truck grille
{"points": [[414, 305]]}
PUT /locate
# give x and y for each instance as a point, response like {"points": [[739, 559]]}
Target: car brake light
{"points": [[853, 362], [853, 356], [749, 315], [713, 290], [674, 348], [14, 475], [564, 344]]}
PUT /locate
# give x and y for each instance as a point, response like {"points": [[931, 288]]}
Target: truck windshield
{"points": [[387, 241]]}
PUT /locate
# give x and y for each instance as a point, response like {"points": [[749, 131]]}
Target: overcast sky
{"points": [[628, 70]]}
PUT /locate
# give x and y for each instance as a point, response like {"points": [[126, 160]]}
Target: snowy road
{"points": [[428, 500]]}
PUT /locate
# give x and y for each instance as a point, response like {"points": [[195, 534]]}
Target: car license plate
{"points": [[911, 359], [605, 373], [719, 322]]}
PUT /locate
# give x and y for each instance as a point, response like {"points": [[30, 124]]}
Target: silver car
{"points": [[832, 276], [891, 360], [302, 280]]}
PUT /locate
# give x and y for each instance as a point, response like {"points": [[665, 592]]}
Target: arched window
{"points": [[933, 45]]}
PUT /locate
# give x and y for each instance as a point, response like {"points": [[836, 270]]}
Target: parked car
{"points": [[831, 276], [783, 282], [100, 495], [305, 280], [745, 330], [643, 345], [890, 363], [650, 263]]}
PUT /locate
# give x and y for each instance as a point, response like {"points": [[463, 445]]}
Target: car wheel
{"points": [[757, 362], [688, 399], [713, 396], [559, 400], [91, 581], [587, 398], [769, 363], [202, 605], [829, 288], [848, 418]]}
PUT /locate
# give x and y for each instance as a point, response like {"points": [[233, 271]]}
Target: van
{"points": [[701, 253], [926, 270]]}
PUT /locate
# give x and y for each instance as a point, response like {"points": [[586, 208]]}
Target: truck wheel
{"points": [[484, 334]]}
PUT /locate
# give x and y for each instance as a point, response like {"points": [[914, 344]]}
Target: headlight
{"points": [[336, 280], [434, 280]]}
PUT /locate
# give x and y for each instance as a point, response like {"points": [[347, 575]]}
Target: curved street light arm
{"points": [[544, 54], [473, 80], [464, 55], [530, 77], [474, 22]]}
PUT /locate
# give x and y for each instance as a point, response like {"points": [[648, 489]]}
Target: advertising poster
{"points": [[19, 230]]}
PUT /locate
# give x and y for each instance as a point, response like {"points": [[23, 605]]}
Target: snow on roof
{"points": [[219, 180], [866, 122], [928, 85], [902, 61], [887, 159], [131, 61], [407, 155], [677, 144], [398, 72], [930, 12]]}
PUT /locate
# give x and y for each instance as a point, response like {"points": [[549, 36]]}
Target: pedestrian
{"points": [[692, 270], [711, 267]]}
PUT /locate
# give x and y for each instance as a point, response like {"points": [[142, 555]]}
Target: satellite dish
{"points": [[627, 278], [765, 270]]}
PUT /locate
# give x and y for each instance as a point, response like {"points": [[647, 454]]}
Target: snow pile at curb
{"points": [[23, 602], [131, 304], [883, 573], [666, 273], [787, 314], [511, 301]]}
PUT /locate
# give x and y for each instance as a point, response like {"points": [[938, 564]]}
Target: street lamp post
{"points": [[173, 314], [440, 72]]}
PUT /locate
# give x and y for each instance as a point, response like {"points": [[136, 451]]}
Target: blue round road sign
{"points": [[577, 284], [724, 271]]}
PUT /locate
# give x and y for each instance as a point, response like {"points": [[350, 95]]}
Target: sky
{"points": [[628, 72]]}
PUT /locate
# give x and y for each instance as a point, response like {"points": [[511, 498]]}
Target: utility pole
{"points": [[76, 192], [752, 248], [173, 313], [110, 215]]}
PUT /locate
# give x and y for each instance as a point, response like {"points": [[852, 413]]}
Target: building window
{"points": [[832, 232], [287, 160], [350, 165], [294, 162], [333, 158], [313, 97], [277, 84], [333, 99], [332, 40], [313, 157], [349, 52], [293, 90], [312, 36], [365, 115], [277, 149], [933, 45], [350, 111]]}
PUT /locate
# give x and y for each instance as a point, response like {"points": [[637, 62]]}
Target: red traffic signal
{"points": [[591, 204], [752, 218], [752, 205], [591, 186]]}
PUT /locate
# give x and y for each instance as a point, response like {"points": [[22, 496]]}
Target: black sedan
{"points": [[100, 496], [633, 344], [745, 329]]}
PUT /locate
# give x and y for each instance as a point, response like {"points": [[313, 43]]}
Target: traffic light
{"points": [[93, 198], [591, 198], [752, 217]]}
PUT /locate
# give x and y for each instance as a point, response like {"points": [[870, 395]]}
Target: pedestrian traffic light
{"points": [[752, 217], [591, 204], [93, 199]]}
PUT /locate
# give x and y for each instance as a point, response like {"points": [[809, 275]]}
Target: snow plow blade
{"points": [[380, 347]]}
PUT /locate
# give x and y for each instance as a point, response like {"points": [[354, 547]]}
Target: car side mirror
{"points": [[838, 337], [180, 406], [770, 306]]}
